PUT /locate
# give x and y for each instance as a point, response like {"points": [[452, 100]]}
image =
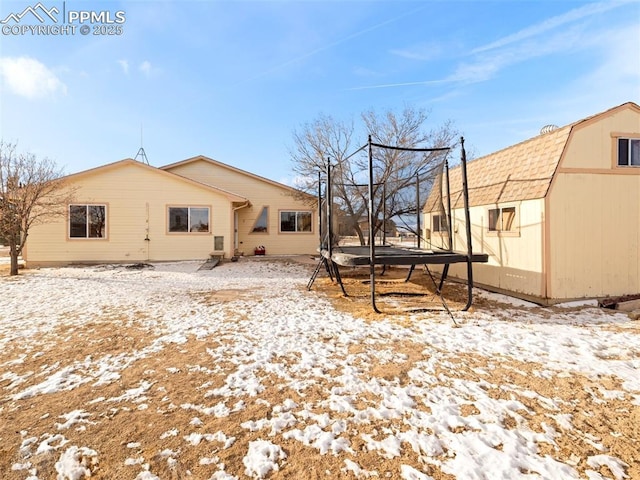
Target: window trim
{"points": [[188, 231], [514, 231], [616, 148], [295, 232], [87, 237], [441, 228]]}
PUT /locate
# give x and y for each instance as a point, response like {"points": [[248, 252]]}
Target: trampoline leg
{"points": [[411, 269], [439, 293], [336, 271], [469, 285], [314, 275], [327, 266], [443, 277], [372, 286]]}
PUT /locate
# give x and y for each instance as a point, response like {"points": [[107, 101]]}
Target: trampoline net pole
{"points": [[372, 246]]}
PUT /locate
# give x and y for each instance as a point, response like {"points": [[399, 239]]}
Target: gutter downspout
{"points": [[234, 232]]}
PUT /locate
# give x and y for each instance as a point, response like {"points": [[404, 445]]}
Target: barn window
{"points": [[629, 152], [439, 223], [189, 219], [292, 221], [502, 219], [87, 221]]}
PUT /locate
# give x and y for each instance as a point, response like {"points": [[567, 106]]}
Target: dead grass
{"points": [[394, 296], [145, 428]]}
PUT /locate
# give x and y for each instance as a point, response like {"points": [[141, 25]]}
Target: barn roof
{"points": [[520, 172]]}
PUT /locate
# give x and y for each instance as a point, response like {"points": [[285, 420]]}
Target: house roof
{"points": [[520, 172], [236, 170], [129, 161]]}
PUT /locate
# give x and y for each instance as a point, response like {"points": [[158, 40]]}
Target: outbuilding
{"points": [[558, 214]]}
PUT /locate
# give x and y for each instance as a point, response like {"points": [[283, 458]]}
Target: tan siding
{"points": [[261, 193], [515, 259], [586, 229], [595, 235], [592, 145], [133, 194]]}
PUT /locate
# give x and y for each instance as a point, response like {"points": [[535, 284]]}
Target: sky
{"points": [[233, 80]]}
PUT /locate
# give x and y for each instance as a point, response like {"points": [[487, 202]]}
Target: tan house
{"points": [[558, 214], [128, 211]]}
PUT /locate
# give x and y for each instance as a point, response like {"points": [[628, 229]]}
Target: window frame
{"points": [[189, 230], [297, 213], [631, 142], [441, 227], [87, 235], [500, 219]]}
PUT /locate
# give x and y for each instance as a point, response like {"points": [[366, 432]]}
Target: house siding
{"points": [[262, 193], [137, 198]]}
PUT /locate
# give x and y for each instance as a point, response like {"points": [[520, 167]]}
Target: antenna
{"points": [[141, 153]]}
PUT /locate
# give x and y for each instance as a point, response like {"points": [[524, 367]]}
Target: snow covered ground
{"points": [[239, 372]]}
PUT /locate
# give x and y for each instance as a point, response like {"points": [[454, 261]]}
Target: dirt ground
{"points": [[609, 425]]}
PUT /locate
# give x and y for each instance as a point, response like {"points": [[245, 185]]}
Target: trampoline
{"points": [[357, 256], [333, 255]]}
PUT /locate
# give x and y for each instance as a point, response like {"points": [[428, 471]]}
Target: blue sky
{"points": [[233, 79]]}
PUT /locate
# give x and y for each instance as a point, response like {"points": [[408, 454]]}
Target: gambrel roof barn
{"points": [[558, 214]]}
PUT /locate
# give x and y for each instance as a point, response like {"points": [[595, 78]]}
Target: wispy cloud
{"points": [[338, 42], [552, 23], [544, 38], [146, 68], [400, 84], [487, 64], [616, 78], [30, 78], [124, 64], [420, 52]]}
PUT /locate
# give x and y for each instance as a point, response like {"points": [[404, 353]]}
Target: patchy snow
{"points": [[75, 463], [262, 458], [298, 339]]}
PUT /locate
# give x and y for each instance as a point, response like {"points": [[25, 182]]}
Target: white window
{"points": [[87, 221], [629, 152], [502, 219], [189, 219], [293, 221]]}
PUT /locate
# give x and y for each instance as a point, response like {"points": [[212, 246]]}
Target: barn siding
{"points": [[595, 235], [515, 259]]}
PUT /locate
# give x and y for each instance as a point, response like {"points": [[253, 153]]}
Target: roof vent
{"points": [[548, 128]]}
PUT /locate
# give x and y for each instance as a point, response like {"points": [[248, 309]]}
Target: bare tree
{"points": [[395, 171], [31, 192]]}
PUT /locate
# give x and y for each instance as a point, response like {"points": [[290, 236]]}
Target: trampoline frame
{"points": [[334, 256]]}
